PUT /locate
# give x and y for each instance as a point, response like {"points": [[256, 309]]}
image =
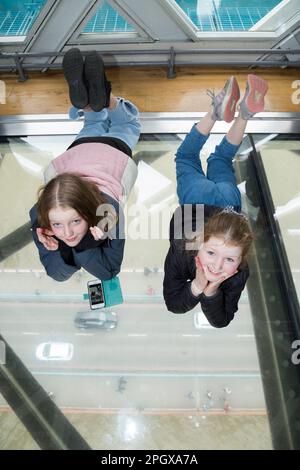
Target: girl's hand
{"points": [[200, 282], [96, 232], [212, 287], [46, 238]]}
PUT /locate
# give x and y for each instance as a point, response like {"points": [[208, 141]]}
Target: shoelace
{"points": [[211, 94], [215, 99]]}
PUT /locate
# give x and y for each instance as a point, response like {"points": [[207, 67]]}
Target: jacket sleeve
{"points": [[176, 287], [103, 262], [220, 308], [53, 263]]}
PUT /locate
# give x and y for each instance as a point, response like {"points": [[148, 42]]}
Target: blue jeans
{"points": [[218, 187], [122, 122]]}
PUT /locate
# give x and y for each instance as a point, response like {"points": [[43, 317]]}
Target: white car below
{"points": [[55, 351]]}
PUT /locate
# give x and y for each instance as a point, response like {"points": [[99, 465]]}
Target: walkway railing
{"points": [[18, 65]]}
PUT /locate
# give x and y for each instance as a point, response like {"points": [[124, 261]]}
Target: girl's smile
{"points": [[219, 258]]}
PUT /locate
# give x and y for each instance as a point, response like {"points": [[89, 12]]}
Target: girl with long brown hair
{"points": [[77, 221]]}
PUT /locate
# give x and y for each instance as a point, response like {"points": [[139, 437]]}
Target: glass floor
{"points": [[158, 381], [285, 190]]}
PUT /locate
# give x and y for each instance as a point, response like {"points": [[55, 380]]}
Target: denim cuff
{"points": [[196, 136], [75, 113], [192, 143], [123, 106], [228, 148]]}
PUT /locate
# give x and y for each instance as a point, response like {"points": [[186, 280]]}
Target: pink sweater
{"points": [[113, 171]]}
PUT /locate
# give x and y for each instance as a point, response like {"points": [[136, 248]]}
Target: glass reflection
{"points": [[156, 373]]}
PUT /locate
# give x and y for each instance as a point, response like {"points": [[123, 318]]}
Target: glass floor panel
{"points": [[13, 434], [156, 381], [285, 191]]}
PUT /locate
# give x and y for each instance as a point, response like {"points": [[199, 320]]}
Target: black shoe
{"points": [[73, 72], [99, 87]]}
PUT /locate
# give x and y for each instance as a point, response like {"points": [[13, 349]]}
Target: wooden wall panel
{"points": [[148, 88]]}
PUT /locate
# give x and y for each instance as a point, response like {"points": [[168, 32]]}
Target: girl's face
{"points": [[67, 225], [219, 257]]}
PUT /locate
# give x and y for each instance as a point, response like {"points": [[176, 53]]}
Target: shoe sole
{"points": [[257, 90], [94, 75], [230, 100], [73, 72]]}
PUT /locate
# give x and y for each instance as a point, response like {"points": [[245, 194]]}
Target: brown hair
{"points": [[230, 226], [70, 190], [233, 228]]}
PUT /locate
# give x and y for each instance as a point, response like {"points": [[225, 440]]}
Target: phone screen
{"points": [[96, 294]]}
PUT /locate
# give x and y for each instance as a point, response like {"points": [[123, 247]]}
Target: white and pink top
{"points": [[113, 171]]}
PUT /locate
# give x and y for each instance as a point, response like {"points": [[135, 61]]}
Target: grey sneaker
{"points": [[253, 101], [224, 103]]}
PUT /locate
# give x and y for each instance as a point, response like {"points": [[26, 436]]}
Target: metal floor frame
{"points": [[157, 123]]}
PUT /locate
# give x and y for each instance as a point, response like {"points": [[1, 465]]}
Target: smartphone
{"points": [[96, 294]]}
